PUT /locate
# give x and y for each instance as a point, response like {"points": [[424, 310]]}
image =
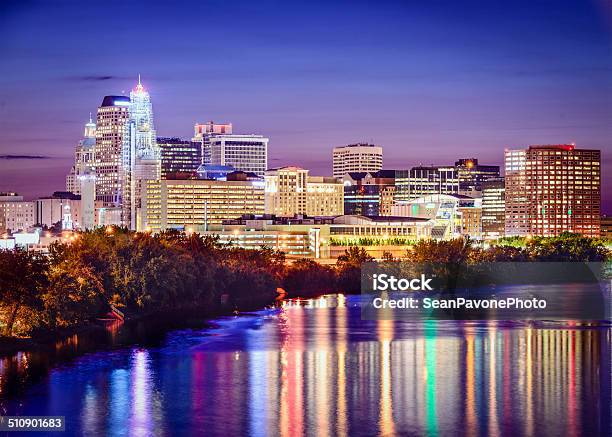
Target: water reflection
{"points": [[315, 368]]}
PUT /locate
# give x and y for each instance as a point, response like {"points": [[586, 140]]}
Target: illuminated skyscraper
{"points": [[111, 131], [553, 189], [141, 157], [83, 158]]}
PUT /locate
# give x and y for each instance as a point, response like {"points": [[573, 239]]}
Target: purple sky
{"points": [[430, 81]]}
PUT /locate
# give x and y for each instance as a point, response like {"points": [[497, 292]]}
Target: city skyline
{"points": [[414, 90]]}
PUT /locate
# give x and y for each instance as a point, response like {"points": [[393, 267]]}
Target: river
{"points": [[314, 367]]}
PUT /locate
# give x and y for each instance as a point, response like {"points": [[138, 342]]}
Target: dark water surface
{"points": [[314, 367]]}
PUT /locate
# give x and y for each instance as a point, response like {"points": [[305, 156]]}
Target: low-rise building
{"points": [[369, 193], [196, 204], [16, 214], [452, 216], [323, 237], [62, 207]]}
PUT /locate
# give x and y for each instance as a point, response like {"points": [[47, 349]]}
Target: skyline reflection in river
{"points": [[315, 368]]}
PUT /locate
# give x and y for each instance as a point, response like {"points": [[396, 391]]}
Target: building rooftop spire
{"points": [[139, 88]]}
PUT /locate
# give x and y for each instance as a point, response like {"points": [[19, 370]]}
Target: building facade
{"points": [[423, 181], [323, 237], [290, 191], [111, 130], [16, 214], [360, 157], [84, 158], [248, 153], [141, 157], [451, 216], [552, 189], [493, 208], [62, 207], [179, 156], [202, 134], [606, 227], [369, 193], [471, 176], [196, 204]]}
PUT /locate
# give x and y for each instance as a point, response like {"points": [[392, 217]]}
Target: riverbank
{"points": [[44, 298], [167, 320]]}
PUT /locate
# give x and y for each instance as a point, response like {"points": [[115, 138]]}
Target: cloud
{"points": [[97, 78], [93, 78], [23, 157]]}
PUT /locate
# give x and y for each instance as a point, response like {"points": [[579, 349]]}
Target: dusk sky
{"points": [[431, 81]]}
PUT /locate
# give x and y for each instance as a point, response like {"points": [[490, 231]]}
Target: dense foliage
{"points": [[140, 273]]}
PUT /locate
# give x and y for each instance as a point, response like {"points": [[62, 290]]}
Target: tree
{"points": [[22, 279], [306, 277], [567, 247], [348, 268], [75, 294]]}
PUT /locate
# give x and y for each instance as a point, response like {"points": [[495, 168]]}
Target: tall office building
{"points": [[290, 191], [83, 158], [179, 156], [471, 175], [202, 134], [141, 157], [248, 153], [125, 153], [111, 132], [360, 157], [493, 208], [552, 189]]}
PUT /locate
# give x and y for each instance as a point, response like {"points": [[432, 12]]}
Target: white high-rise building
{"points": [[248, 153], [141, 157], [360, 157], [111, 129], [83, 158]]}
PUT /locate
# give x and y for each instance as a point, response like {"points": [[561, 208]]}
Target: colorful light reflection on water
{"points": [[315, 368]]}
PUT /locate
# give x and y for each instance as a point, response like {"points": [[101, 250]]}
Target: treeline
{"points": [[174, 272], [139, 273]]}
